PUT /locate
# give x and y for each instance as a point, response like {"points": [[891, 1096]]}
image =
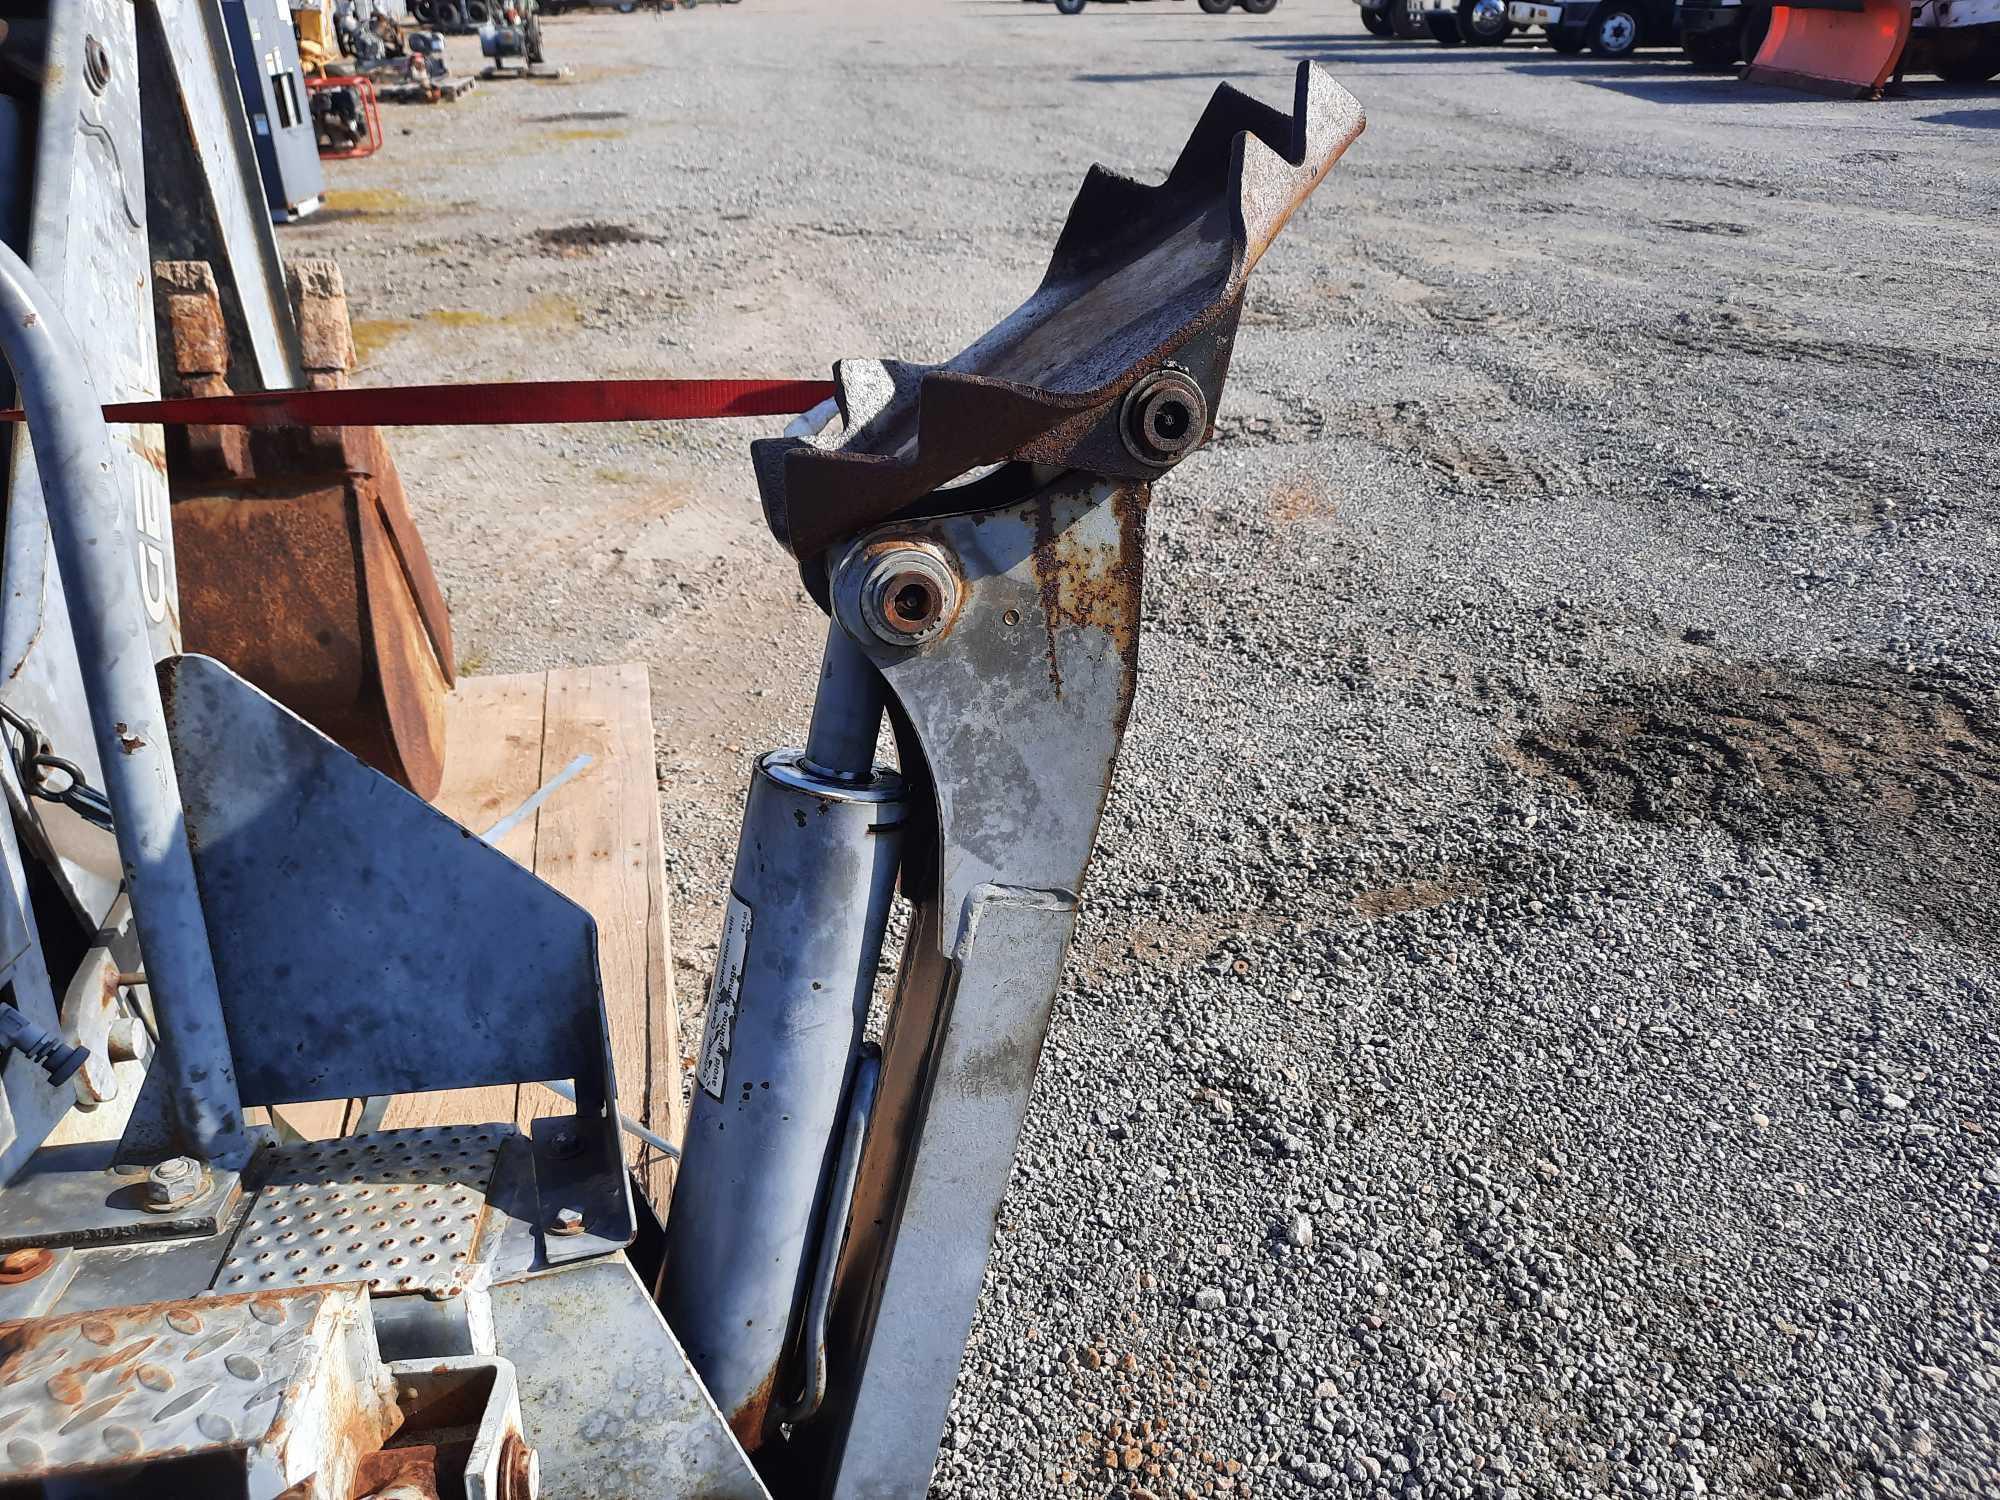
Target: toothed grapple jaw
{"points": [[1116, 363]]}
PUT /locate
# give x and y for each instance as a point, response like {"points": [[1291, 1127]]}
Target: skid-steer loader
{"points": [[211, 909]]}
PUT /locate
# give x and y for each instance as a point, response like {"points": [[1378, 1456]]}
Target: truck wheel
{"points": [[1710, 51], [1404, 23], [1569, 40], [1070, 7], [1218, 7], [448, 15], [1483, 23], [1443, 29], [1615, 32], [1258, 7], [1376, 22]]}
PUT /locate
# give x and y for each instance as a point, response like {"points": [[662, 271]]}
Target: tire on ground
{"points": [[1615, 31]]}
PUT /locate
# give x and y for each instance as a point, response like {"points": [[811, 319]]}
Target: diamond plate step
{"points": [[402, 1210]]}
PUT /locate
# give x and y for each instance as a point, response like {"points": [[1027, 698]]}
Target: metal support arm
{"points": [[91, 532]]}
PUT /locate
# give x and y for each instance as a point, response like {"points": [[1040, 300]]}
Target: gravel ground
{"points": [[1532, 1030]]}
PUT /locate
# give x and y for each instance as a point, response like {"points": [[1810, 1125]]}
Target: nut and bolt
{"points": [[1165, 417], [567, 1221], [175, 1183], [906, 593]]}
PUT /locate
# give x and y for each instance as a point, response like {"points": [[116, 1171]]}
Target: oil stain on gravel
{"points": [[592, 235], [1890, 781]]}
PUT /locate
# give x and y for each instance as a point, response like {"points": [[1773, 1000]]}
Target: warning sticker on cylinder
{"points": [[724, 995]]}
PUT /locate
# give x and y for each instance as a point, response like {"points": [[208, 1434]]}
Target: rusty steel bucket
{"points": [[299, 564]]}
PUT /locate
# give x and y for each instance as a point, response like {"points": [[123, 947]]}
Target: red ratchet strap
{"points": [[502, 404]]}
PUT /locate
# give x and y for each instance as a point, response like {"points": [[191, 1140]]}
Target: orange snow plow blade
{"points": [[1848, 51]]}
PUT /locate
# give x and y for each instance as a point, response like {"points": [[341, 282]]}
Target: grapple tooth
{"points": [[1141, 275]]}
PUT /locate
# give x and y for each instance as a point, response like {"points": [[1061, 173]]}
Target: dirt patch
{"points": [[373, 335], [359, 203], [564, 137], [1706, 226], [1754, 336], [545, 313], [1441, 442], [1413, 895], [587, 238], [1890, 780], [1294, 420], [1301, 500], [578, 117]]}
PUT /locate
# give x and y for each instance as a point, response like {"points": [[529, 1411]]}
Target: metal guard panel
{"points": [[365, 943], [1138, 273]]}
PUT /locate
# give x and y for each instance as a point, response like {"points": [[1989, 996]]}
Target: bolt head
{"points": [[1165, 417], [177, 1181], [902, 593]]}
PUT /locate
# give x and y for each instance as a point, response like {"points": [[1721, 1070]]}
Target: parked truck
{"points": [[1609, 28]]}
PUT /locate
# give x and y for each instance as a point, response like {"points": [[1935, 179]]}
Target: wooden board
{"points": [[597, 840]]}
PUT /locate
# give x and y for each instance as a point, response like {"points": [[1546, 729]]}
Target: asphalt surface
{"points": [[1532, 1029]]}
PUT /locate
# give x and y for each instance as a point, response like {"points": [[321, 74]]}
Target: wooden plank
{"points": [[492, 764], [598, 843]]}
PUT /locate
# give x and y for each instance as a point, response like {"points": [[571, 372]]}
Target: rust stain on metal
{"points": [[128, 741], [415, 1466], [1048, 576], [305, 596], [353, 1421], [300, 566], [749, 1420], [1091, 587], [517, 1469], [17, 1266]]}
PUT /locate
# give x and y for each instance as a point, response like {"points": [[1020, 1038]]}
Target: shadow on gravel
{"points": [[1700, 88], [1344, 51], [1545, 64], [1972, 119], [1889, 782], [1150, 77]]}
